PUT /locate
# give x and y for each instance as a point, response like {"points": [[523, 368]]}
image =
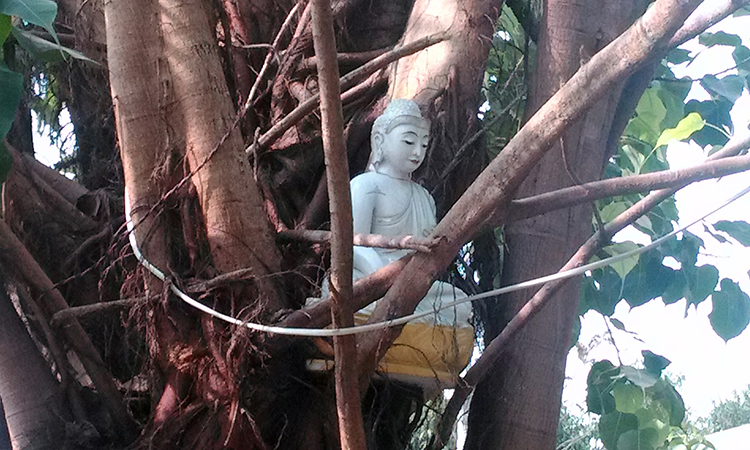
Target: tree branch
{"points": [[498, 183], [346, 82], [344, 58], [543, 296], [365, 240], [365, 291], [351, 426], [705, 16], [80, 312], [583, 193], [272, 49]]}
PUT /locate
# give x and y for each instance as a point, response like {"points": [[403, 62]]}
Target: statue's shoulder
{"points": [[367, 180], [365, 177]]}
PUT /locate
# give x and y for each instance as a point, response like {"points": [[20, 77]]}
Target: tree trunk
{"points": [[31, 396], [517, 406], [172, 104]]}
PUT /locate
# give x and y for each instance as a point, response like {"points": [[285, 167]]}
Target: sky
{"points": [[711, 370]]}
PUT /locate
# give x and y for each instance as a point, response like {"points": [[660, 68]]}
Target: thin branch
{"points": [[365, 291], [365, 240], [344, 58], [543, 296], [351, 425], [38, 316], [272, 50], [368, 85], [346, 82], [81, 312], [705, 16], [460, 152], [499, 182], [574, 195]]}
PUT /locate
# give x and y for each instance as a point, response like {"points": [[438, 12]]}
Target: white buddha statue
{"points": [[385, 200]]}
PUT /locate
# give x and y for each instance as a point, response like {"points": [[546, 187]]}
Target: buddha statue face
{"points": [[399, 140]]}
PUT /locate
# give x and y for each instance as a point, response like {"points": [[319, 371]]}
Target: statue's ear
{"points": [[377, 141]]}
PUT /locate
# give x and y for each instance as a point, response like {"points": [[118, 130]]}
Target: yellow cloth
{"points": [[430, 352], [427, 354]]}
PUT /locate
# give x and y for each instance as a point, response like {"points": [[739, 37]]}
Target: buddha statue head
{"points": [[398, 140]]}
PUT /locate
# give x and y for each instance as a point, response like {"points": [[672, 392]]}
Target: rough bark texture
{"points": [[517, 406], [236, 232]]}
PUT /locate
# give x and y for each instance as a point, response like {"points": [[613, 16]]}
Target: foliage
{"points": [[41, 13], [504, 85], [728, 413], [639, 409], [574, 432], [661, 117]]}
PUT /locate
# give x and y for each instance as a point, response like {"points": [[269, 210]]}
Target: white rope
{"points": [[329, 332]]}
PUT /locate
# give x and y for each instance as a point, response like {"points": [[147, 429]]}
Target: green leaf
{"points": [[686, 249], [6, 161], [645, 439], [613, 425], [644, 223], [730, 87], [628, 397], [11, 86], [731, 310], [5, 26], [599, 381], [669, 395], [741, 56], [672, 95], [654, 363], [716, 112], [676, 289], [719, 38], [612, 210], [38, 12], [648, 280], [701, 284], [626, 265], [605, 297], [618, 324], [45, 50], [690, 124], [649, 114], [716, 236], [639, 377], [678, 56], [738, 229]]}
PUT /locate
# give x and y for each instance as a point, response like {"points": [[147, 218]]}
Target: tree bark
{"points": [[32, 399], [349, 411], [237, 231], [517, 406]]}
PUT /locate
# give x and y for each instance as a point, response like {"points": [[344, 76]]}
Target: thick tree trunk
{"points": [[172, 105], [517, 406], [32, 399]]}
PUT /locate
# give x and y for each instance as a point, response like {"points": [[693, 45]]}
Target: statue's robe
{"points": [[432, 350]]}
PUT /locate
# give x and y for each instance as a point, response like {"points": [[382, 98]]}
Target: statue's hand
{"points": [[366, 260]]}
